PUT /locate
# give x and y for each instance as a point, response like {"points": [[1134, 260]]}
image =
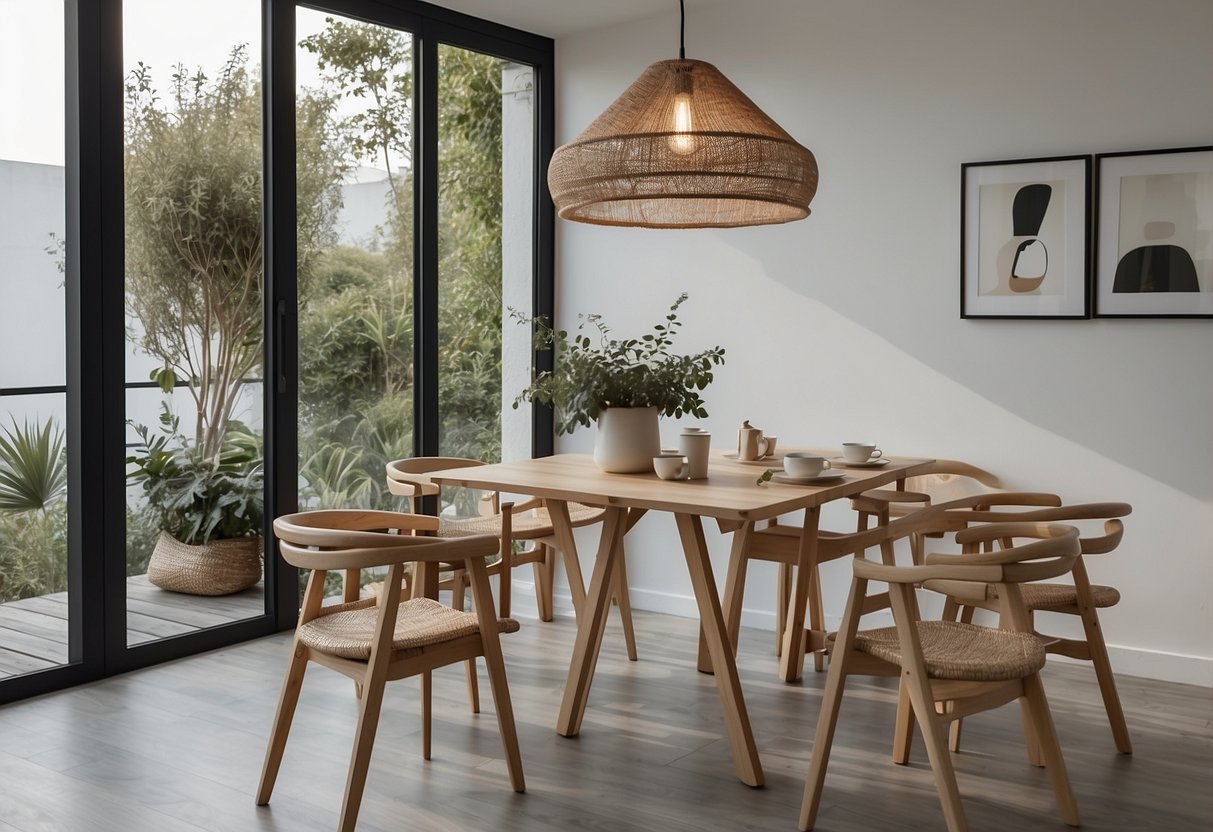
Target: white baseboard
{"points": [[1129, 661]]}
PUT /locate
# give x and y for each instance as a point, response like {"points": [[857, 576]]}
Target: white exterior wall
{"points": [[846, 325]]}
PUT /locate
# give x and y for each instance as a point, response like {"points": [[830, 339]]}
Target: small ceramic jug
{"points": [[749, 441]]}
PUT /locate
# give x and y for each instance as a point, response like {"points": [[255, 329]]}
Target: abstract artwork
{"points": [[1155, 234], [1024, 231]]}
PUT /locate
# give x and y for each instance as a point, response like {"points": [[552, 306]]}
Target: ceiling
{"points": [[558, 18]]}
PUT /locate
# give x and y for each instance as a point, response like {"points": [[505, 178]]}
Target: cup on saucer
{"points": [[803, 464], [860, 452]]}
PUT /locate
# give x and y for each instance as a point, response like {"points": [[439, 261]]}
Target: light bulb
{"points": [[682, 142]]}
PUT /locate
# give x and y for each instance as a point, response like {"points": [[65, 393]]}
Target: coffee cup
{"points": [[695, 444], [803, 464], [859, 452], [671, 466]]}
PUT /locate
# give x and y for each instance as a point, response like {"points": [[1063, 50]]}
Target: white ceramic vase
{"points": [[628, 439]]}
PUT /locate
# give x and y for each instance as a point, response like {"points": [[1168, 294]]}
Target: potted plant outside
{"points": [[622, 384], [210, 509]]}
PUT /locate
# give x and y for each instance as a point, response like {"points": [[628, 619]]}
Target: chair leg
{"points": [[458, 585], [490, 640], [1107, 682], [823, 740], [1031, 740], [544, 572], [1037, 708], [922, 701], [817, 619], [625, 602], [287, 701], [966, 614], [954, 731], [903, 730], [427, 691], [951, 609], [783, 593], [364, 742]]}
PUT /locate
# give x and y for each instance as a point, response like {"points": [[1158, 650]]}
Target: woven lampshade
{"points": [[683, 148]]}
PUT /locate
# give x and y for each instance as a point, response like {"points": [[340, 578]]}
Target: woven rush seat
{"points": [[420, 622], [522, 525], [961, 652], [1041, 596]]}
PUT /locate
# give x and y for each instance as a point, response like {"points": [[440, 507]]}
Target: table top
{"points": [[729, 492]]}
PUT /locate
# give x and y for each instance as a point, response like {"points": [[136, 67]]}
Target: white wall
{"points": [[846, 325]]}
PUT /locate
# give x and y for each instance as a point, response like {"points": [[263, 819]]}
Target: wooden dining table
{"points": [[730, 496]]}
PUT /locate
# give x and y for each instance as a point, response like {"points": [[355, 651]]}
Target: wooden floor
{"points": [[179, 747], [33, 631]]}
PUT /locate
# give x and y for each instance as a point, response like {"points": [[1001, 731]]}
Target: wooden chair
{"points": [[1078, 598], [943, 480], [527, 521], [372, 642], [969, 668]]}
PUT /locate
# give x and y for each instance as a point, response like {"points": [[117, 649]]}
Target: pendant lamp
{"points": [[682, 147]]}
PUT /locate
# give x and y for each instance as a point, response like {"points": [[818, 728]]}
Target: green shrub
{"points": [[33, 551]]}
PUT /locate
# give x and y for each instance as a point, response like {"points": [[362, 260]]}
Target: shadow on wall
{"points": [[1139, 392]]}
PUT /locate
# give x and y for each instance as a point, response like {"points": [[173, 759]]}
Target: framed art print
{"points": [[1025, 227], [1154, 240]]}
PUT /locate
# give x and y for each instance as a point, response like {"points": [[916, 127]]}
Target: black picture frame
{"points": [[1025, 238], [1154, 233]]}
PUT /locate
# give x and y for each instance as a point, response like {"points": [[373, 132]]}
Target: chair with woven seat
{"points": [[942, 480], [949, 669], [1078, 597], [528, 521], [376, 640]]}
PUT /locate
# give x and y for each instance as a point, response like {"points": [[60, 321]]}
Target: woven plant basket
{"points": [[220, 567]]}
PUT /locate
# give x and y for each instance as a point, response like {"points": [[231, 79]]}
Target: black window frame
{"points": [[95, 306]]}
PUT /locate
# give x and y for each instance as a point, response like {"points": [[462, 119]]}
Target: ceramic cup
{"points": [[671, 466], [695, 444], [766, 445], [804, 464], [860, 451]]}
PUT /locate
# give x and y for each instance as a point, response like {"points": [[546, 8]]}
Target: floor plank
{"points": [[33, 631], [179, 747]]}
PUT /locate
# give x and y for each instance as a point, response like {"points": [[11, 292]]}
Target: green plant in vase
{"points": [[622, 384], [209, 508]]}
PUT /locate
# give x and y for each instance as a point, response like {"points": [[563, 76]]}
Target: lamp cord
{"points": [[682, 31]]}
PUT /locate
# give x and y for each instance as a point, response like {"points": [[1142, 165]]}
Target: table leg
{"points": [[590, 625], [791, 663], [558, 510], [734, 591], [736, 719]]}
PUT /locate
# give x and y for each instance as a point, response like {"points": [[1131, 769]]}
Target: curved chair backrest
{"points": [[1109, 512], [409, 477], [949, 479], [1051, 552], [355, 539]]}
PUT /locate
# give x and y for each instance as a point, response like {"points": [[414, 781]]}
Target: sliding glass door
{"points": [[34, 450], [269, 248]]}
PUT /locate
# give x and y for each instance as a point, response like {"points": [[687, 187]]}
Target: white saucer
{"points": [[766, 460], [871, 463], [823, 477]]}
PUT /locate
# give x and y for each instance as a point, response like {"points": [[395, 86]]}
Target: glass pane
{"points": [[193, 297], [355, 249], [33, 452], [486, 190]]}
